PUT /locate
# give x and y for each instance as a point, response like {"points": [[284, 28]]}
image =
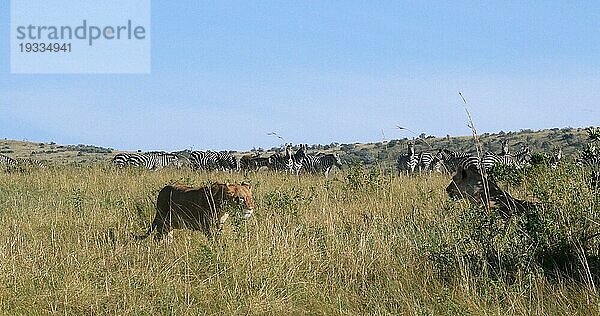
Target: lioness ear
{"points": [[247, 184]]}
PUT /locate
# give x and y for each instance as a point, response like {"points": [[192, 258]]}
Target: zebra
{"points": [[426, 162], [407, 163], [7, 161], [212, 160], [150, 160], [289, 162], [30, 162], [556, 157], [519, 159], [505, 148], [296, 160], [227, 161], [163, 159], [121, 160], [451, 160], [321, 163], [255, 162], [280, 161], [204, 160], [590, 159]]}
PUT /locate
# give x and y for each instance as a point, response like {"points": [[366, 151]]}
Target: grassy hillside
{"points": [[55, 153], [571, 140]]}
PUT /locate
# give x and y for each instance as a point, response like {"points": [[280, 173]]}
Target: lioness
{"points": [[204, 208], [469, 183]]}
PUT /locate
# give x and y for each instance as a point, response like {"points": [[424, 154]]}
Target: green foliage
{"points": [[540, 158], [287, 201], [90, 149], [506, 174], [360, 178], [18, 168], [483, 244]]}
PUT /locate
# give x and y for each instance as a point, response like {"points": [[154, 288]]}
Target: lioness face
{"points": [[241, 195], [466, 184]]}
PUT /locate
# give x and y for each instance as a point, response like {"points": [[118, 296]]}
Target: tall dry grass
{"points": [[355, 244]]}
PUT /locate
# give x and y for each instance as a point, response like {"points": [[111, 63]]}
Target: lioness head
{"points": [[239, 195], [469, 183]]}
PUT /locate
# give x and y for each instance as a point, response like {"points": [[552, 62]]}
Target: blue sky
{"points": [[224, 74]]}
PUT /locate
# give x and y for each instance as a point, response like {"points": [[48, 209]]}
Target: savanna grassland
{"points": [[361, 242]]}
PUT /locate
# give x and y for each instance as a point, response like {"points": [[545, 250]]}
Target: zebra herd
{"points": [[296, 160], [450, 161], [289, 161]]}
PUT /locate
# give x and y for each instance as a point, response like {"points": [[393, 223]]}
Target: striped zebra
{"points": [[590, 159], [519, 159], [150, 160], [451, 160], [248, 163], [407, 163], [426, 162], [321, 163], [121, 160], [30, 163], [556, 157], [290, 163], [505, 148], [280, 161], [204, 160], [212, 160], [6, 161], [227, 161], [593, 162], [296, 160]]}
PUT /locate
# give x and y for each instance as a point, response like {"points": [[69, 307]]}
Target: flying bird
{"points": [[275, 134]]}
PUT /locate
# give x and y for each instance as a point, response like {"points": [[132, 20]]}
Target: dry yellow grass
{"points": [[343, 246]]}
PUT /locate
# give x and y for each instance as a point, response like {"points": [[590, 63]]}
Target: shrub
{"points": [[506, 174]]}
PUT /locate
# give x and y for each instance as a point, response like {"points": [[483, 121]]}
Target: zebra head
{"points": [[288, 150], [337, 161], [505, 149], [411, 149], [300, 154]]}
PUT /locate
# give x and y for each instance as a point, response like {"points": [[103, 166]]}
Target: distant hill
{"points": [[571, 140], [55, 153]]}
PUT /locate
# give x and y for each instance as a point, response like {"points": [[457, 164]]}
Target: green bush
{"points": [[506, 174], [360, 178]]}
